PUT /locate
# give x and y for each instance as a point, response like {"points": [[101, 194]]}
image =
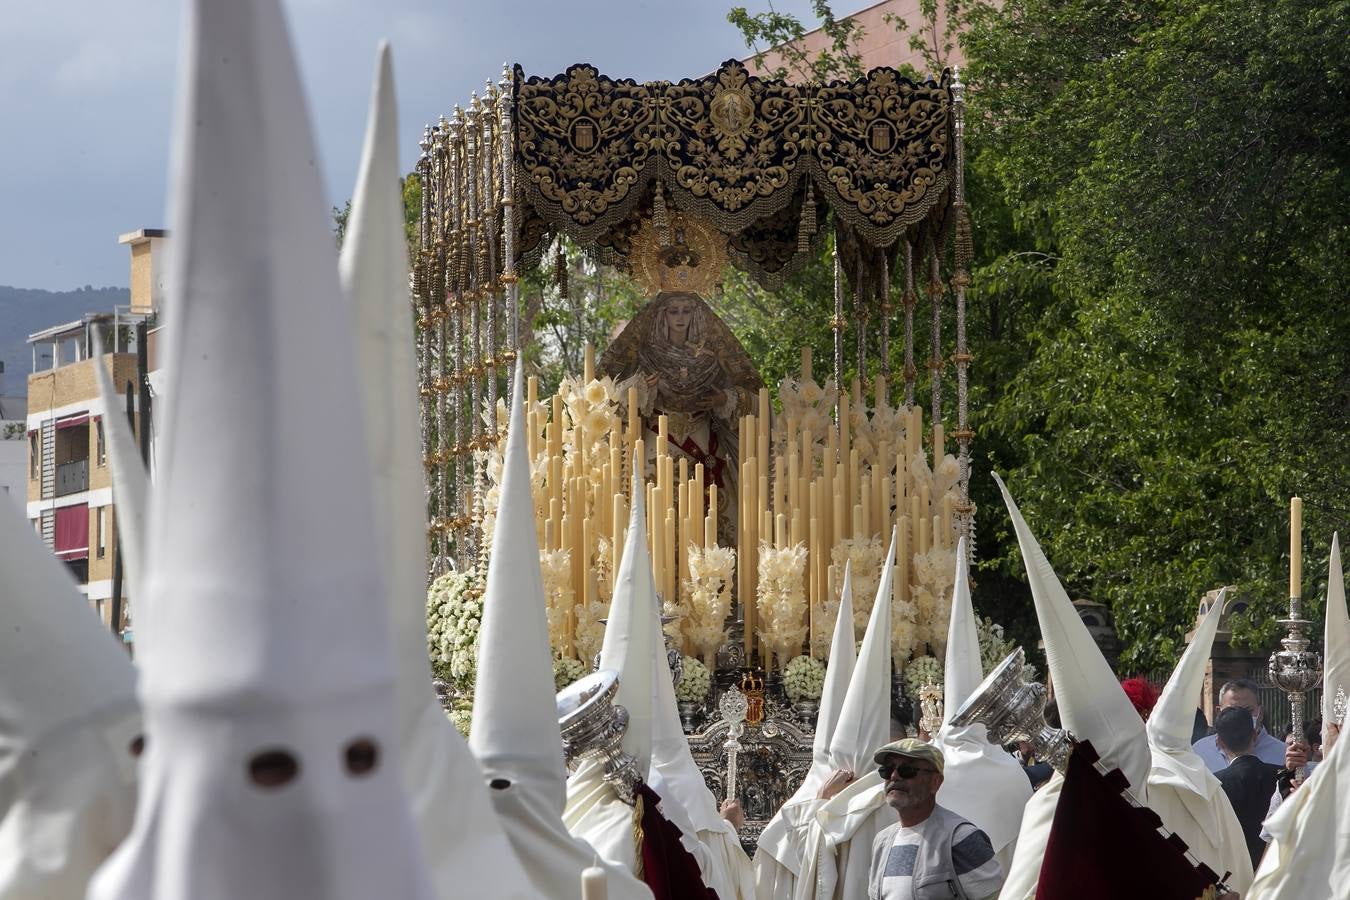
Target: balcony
{"points": [[72, 477]]}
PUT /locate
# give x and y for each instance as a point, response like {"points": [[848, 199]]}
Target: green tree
{"points": [[1159, 201], [782, 33], [1186, 164]]}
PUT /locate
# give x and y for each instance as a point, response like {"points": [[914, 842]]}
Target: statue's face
{"points": [[679, 313]]}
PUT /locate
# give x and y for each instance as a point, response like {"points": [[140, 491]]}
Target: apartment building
{"points": [[13, 451], [70, 493]]}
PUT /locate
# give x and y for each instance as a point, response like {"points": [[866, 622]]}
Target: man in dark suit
{"points": [[1248, 782]]}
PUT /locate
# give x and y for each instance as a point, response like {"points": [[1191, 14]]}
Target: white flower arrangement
{"points": [[994, 648], [591, 408], [461, 716], [867, 556], [566, 670], [922, 670], [709, 592], [589, 633], [804, 679], [454, 613], [807, 403], [904, 631], [931, 591], [556, 568], [782, 600], [695, 679]]}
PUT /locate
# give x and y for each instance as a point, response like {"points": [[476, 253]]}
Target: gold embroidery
{"points": [[733, 150]]}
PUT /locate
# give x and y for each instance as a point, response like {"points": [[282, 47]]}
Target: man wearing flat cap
{"points": [[931, 852]]}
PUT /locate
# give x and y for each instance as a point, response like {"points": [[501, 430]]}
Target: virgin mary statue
{"points": [[685, 363]]}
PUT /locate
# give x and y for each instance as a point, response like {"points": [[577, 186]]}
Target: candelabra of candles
{"points": [[1295, 669]]}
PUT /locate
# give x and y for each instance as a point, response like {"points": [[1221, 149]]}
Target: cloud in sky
{"points": [[86, 97]]}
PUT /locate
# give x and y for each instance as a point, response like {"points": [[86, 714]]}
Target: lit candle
{"points": [[594, 885], [806, 363], [1296, 547], [588, 365]]}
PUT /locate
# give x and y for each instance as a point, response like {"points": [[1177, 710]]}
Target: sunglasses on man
{"points": [[904, 770]]}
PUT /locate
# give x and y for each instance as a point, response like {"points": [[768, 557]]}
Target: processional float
{"points": [[752, 510]]}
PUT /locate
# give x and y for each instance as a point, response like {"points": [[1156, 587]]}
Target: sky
{"points": [[87, 88]]}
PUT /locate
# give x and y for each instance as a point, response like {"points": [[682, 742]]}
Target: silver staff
{"points": [[733, 707], [1295, 669]]}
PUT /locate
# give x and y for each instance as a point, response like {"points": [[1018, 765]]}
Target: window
{"points": [[101, 448], [79, 569], [72, 532], [101, 531], [34, 456]]}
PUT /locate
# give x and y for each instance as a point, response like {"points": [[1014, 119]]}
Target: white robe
{"points": [[782, 845], [1192, 803], [838, 858], [595, 814], [1309, 851], [1025, 871]]}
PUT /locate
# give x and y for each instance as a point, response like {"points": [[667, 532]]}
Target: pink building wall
{"points": [[881, 45]]}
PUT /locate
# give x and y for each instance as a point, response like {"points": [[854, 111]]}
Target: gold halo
{"points": [[694, 265]]}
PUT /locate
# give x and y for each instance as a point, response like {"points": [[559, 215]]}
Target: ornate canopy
{"points": [[629, 171], [755, 157]]}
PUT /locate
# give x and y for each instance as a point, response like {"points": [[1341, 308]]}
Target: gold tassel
{"points": [[965, 244], [660, 219], [806, 227], [637, 837]]}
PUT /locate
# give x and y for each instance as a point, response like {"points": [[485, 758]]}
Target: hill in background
{"points": [[24, 311]]}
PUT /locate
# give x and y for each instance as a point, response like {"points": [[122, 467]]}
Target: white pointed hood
{"points": [[594, 810], [628, 643], [131, 484], [461, 837], [272, 765], [864, 722], [685, 799], [962, 673], [515, 721], [1091, 703], [671, 757], [515, 724], [781, 842], [1181, 789], [1173, 716], [981, 782], [1336, 634], [854, 817], [838, 675], [67, 719]]}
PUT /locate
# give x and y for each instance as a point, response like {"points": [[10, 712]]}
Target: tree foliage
{"points": [[1159, 199], [1188, 370]]}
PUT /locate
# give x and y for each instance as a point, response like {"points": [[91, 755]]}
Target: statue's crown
{"points": [[688, 255]]}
